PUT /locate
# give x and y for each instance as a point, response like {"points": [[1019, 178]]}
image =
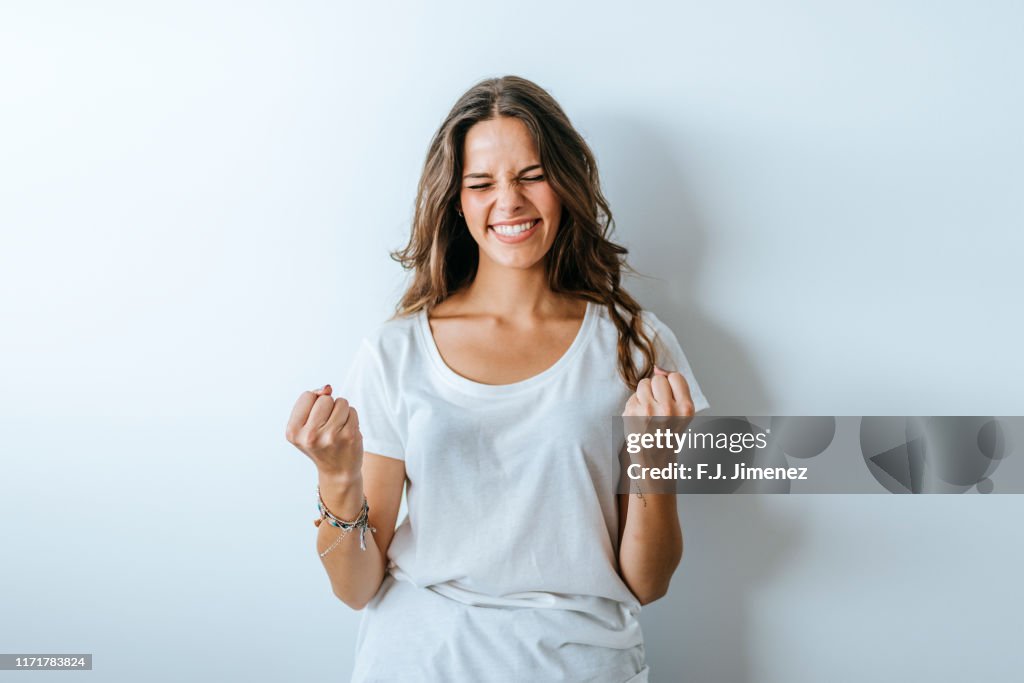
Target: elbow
{"points": [[354, 602], [653, 590], [357, 606], [656, 587], [356, 591], [651, 593]]}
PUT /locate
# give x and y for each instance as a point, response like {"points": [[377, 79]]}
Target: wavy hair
{"points": [[582, 262]]}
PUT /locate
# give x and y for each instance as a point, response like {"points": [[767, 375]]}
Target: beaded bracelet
{"points": [[362, 522]]}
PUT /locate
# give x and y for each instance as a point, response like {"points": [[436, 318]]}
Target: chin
{"points": [[521, 259], [519, 264]]}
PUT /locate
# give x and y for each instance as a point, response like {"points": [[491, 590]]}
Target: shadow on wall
{"points": [[661, 222], [701, 630]]}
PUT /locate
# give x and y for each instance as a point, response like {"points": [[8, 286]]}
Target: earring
{"points": [[458, 211]]}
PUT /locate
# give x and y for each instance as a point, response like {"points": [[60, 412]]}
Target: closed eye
{"points": [[528, 179]]}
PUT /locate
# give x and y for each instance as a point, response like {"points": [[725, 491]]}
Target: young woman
{"points": [[489, 399]]}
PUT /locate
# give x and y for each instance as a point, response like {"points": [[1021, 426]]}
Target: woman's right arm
{"points": [[356, 574], [327, 430]]}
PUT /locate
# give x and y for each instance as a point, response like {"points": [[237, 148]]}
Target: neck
{"points": [[513, 293]]}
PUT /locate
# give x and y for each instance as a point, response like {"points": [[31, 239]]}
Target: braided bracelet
{"points": [[362, 522]]}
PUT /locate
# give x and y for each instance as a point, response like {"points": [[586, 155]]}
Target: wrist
{"points": [[342, 493], [339, 479]]}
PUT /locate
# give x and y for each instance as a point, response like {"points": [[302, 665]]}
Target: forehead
{"points": [[499, 143]]}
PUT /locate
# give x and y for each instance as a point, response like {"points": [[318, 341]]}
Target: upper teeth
{"points": [[513, 229]]}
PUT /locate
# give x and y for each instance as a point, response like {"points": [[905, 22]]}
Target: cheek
{"points": [[475, 210], [547, 201], [473, 203]]}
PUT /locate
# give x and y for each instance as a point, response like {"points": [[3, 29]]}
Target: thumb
{"points": [[659, 372], [325, 391]]}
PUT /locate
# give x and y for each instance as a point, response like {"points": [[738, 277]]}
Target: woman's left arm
{"points": [[650, 538], [651, 543]]}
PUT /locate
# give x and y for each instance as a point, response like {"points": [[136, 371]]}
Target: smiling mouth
{"points": [[513, 230]]}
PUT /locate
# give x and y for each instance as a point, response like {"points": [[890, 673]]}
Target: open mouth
{"points": [[515, 233]]}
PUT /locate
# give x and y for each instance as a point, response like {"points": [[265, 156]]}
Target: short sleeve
{"points": [[669, 356], [367, 390]]}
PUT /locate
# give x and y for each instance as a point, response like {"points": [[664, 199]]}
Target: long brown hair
{"points": [[582, 261]]}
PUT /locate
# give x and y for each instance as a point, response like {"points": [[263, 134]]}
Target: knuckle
{"points": [[353, 423]]}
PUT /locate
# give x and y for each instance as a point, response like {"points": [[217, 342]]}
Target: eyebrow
{"points": [[488, 175]]}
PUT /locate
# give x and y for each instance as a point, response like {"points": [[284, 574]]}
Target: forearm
{"points": [[651, 545], [355, 574]]}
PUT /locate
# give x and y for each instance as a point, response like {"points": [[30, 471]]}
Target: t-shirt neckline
{"points": [[469, 386]]}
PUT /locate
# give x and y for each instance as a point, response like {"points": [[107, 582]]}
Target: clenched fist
{"points": [[327, 430], [666, 394]]}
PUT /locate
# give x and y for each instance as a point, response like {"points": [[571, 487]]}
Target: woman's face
{"points": [[511, 210]]}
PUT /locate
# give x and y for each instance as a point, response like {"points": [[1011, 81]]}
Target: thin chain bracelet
{"points": [[344, 533], [361, 522]]}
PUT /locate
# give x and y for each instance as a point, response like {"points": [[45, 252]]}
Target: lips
{"points": [[512, 233], [512, 228]]}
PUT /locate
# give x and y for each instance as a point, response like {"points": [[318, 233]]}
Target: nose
{"points": [[510, 199]]}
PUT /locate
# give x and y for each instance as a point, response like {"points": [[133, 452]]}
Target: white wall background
{"points": [[197, 200]]}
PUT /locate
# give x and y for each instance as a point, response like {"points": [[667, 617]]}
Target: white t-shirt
{"points": [[504, 568]]}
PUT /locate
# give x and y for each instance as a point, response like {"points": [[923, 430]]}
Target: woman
{"points": [[489, 396]]}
